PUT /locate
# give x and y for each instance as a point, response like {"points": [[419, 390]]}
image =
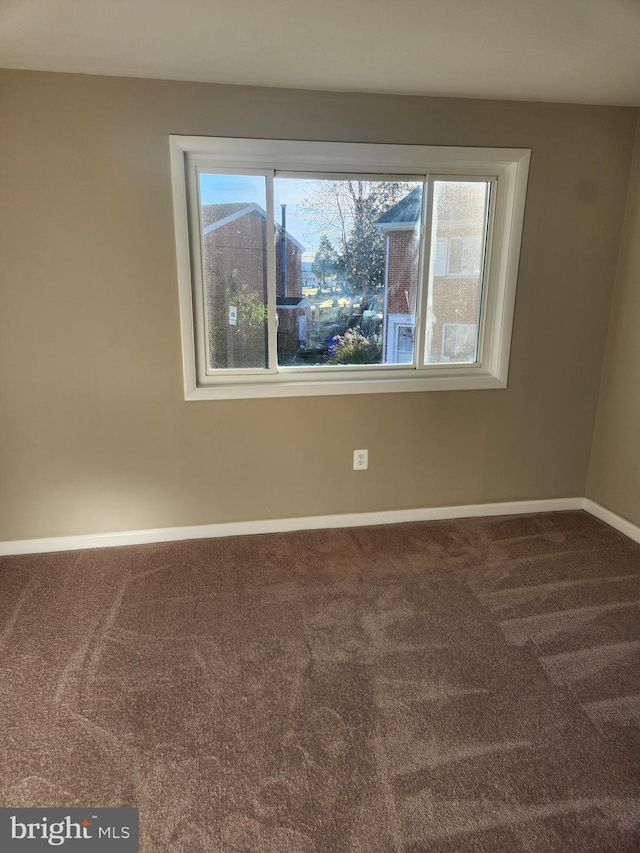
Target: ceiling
{"points": [[585, 51]]}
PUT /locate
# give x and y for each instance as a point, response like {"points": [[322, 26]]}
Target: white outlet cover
{"points": [[360, 460]]}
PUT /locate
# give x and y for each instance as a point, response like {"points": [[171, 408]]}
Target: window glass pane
{"points": [[347, 256], [233, 220], [460, 212]]}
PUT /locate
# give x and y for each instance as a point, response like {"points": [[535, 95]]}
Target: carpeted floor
{"points": [[448, 686]]}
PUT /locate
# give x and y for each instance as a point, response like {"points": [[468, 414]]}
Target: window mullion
{"points": [[427, 249], [272, 327]]}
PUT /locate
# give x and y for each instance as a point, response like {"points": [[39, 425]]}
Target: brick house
{"points": [[452, 310], [234, 249]]}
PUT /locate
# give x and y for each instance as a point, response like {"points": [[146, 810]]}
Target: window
{"points": [[332, 268]]}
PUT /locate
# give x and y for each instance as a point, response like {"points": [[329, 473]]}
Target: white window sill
{"points": [[318, 388]]}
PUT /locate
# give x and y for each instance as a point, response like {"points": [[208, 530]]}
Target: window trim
{"points": [[509, 167]]}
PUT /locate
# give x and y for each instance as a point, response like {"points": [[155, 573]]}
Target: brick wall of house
{"points": [[455, 297], [455, 300], [404, 250], [294, 268], [235, 255], [239, 246]]}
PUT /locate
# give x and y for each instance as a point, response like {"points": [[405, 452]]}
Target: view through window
{"points": [[347, 270], [347, 284]]}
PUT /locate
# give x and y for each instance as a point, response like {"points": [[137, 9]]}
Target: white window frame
{"points": [[508, 170]]}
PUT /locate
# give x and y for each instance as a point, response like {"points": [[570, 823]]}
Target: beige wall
{"points": [[614, 473], [96, 435]]}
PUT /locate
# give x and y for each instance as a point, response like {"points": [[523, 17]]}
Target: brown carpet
{"points": [[449, 686]]}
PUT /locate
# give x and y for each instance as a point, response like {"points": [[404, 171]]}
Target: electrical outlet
{"points": [[360, 460]]}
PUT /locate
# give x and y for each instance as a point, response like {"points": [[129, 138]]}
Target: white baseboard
{"points": [[283, 525], [613, 520]]}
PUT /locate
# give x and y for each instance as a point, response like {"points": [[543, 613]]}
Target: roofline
{"points": [[245, 211], [397, 226], [251, 208], [291, 238]]}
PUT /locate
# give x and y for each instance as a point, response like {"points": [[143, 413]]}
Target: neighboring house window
{"points": [[465, 255], [458, 256], [442, 255], [459, 342], [330, 268]]}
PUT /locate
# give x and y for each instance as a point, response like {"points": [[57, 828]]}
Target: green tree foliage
{"points": [[325, 262]]}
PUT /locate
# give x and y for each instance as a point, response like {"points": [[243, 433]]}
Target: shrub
{"points": [[355, 348]]}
